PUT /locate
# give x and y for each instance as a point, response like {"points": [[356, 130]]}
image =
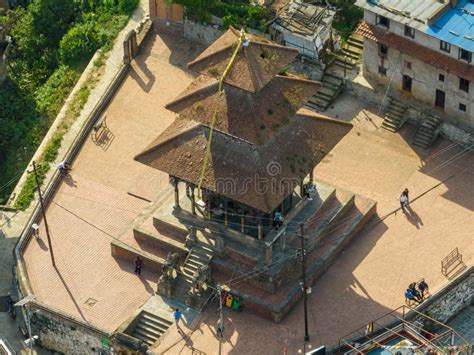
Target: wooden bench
{"points": [[99, 128], [454, 257]]}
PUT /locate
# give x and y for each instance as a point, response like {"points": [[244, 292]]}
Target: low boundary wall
{"points": [[58, 330]]}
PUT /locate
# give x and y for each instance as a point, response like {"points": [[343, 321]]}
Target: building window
{"points": [[407, 64], [383, 50], [382, 71], [445, 46], [464, 84], [465, 55], [409, 32], [383, 21], [462, 107], [441, 77]]}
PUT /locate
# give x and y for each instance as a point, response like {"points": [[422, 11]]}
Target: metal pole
{"points": [[44, 215], [221, 325], [305, 294], [30, 343]]}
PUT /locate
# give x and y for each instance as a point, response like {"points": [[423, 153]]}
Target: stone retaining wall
{"points": [[204, 34], [448, 302]]}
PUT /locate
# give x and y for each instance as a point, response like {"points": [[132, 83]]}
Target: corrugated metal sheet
{"points": [[413, 13], [456, 26]]}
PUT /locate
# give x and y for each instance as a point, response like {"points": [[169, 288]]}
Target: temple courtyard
{"points": [[109, 189]]}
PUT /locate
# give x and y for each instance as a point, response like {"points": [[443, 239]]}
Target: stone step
{"points": [[344, 58], [151, 331], [342, 64], [390, 122], [397, 104], [169, 230], [154, 319], [143, 338], [149, 240], [327, 93], [353, 52], [389, 127], [355, 42], [153, 258], [194, 263], [393, 117], [396, 109], [334, 78]]}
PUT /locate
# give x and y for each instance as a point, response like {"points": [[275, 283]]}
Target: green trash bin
{"points": [[236, 304]]}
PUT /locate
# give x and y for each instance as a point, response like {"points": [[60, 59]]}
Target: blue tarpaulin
{"points": [[456, 26]]}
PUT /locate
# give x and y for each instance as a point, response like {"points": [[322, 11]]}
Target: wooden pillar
{"points": [[302, 188], [193, 200], [268, 253], [242, 224], [311, 176], [260, 229], [176, 194]]}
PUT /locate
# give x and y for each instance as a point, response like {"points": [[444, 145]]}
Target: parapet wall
{"points": [[449, 301]]}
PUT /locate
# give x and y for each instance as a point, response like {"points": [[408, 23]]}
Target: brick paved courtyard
{"points": [[365, 282]]}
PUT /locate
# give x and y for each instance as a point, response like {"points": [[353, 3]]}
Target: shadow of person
{"points": [[413, 217], [68, 179], [41, 244]]}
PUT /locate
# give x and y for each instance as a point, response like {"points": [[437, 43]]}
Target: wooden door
{"points": [[440, 98], [161, 12], [406, 83], [177, 13]]}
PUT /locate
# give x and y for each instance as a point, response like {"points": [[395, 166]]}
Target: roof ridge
{"points": [[204, 89], [210, 55], [188, 129]]}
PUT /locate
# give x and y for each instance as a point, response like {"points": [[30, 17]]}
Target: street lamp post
{"points": [[305, 293]]}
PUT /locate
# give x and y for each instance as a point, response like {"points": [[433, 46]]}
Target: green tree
{"points": [[52, 18], [80, 43]]}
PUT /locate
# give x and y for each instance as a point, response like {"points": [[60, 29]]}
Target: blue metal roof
{"points": [[456, 26]]}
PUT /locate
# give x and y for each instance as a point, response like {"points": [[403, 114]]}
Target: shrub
{"points": [[80, 43], [127, 7]]}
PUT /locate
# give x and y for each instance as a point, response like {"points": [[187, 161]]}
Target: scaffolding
{"points": [[404, 331]]}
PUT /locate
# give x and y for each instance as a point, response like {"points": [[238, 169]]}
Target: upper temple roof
{"points": [[257, 62], [253, 117]]}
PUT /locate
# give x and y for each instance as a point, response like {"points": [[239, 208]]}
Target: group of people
{"points": [[416, 292]]}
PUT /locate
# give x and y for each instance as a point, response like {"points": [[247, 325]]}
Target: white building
{"points": [[424, 49], [304, 26]]}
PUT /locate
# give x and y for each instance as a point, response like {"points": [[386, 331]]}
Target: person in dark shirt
{"points": [[138, 265]]}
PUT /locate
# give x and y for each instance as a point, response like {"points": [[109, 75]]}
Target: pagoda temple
{"points": [[240, 156]]}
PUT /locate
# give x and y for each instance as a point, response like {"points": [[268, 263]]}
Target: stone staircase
{"points": [[199, 255], [350, 53], [427, 132], [332, 86], [394, 115], [332, 81], [149, 328]]}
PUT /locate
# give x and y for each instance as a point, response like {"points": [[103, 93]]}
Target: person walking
{"points": [[177, 315], [403, 202], [138, 265], [405, 193]]}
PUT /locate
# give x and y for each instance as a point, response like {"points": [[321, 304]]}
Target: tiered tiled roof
{"points": [[258, 137], [411, 48]]}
